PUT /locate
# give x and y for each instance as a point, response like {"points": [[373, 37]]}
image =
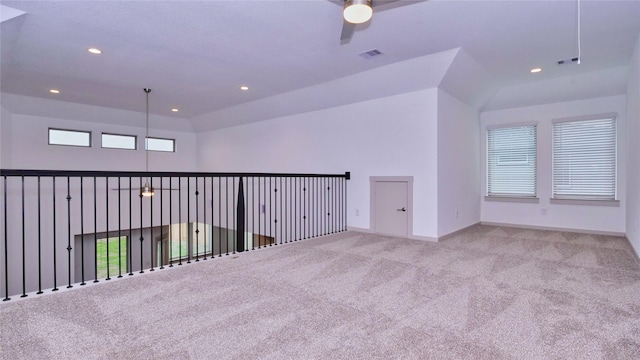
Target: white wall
{"points": [[591, 218], [633, 114], [30, 118], [30, 149], [5, 138], [458, 164], [392, 136]]}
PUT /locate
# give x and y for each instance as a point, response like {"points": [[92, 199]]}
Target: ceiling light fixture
{"points": [[147, 190], [536, 70], [244, 88], [95, 51], [357, 11], [175, 109], [54, 91]]}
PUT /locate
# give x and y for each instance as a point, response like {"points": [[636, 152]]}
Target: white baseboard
{"points": [[423, 238], [453, 233], [551, 228], [413, 237], [359, 229]]}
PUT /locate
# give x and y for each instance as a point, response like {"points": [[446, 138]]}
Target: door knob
{"points": [[403, 209]]}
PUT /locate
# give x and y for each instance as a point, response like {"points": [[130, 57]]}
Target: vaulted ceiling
{"points": [[195, 55]]}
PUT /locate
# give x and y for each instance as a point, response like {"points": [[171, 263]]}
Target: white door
{"points": [[391, 208]]}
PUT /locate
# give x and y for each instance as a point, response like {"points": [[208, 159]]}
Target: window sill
{"points": [[613, 203], [513, 199]]}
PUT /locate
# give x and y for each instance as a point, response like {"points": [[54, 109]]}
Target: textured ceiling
{"points": [[196, 54]]}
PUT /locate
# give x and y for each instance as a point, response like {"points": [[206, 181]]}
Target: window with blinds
{"points": [[584, 159], [511, 161]]}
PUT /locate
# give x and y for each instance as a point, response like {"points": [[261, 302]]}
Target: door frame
{"points": [[372, 202]]}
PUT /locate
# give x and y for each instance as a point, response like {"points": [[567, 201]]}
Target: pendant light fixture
{"points": [[147, 190], [357, 11]]}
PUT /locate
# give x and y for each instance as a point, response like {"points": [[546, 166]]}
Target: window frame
{"points": [[146, 144], [135, 141], [511, 197], [586, 199], [73, 131]]}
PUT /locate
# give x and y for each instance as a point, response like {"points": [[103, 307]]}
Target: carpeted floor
{"points": [[486, 293]]}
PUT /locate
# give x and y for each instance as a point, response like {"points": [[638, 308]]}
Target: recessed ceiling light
{"points": [[175, 109], [54, 91], [95, 51], [244, 88], [536, 70]]}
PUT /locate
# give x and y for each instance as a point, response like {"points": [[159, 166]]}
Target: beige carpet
{"points": [[487, 293]]}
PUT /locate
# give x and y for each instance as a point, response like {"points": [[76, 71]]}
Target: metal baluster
{"points": [[271, 213], [130, 239], [170, 222], [325, 182], [151, 252], [161, 261], [259, 215], [289, 207], [304, 207], [275, 213], [340, 206], [316, 207], [333, 205], [141, 232], [24, 266], [180, 220], [257, 236], [346, 207], [239, 217], [253, 212], [227, 213], [55, 271], [106, 217], [211, 229], [82, 229], [281, 206], [204, 214], [39, 241], [197, 225], [235, 233], [6, 245], [189, 236], [69, 248], [119, 228], [220, 215], [296, 210], [95, 230]]}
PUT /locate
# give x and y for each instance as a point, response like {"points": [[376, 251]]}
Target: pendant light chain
{"points": [[146, 139], [579, 30]]}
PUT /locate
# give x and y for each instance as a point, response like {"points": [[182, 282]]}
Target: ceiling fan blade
{"points": [[347, 31]]}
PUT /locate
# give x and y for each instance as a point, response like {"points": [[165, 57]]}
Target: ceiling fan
{"points": [[357, 12]]}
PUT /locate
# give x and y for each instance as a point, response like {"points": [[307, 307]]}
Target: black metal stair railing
{"points": [[71, 227]]}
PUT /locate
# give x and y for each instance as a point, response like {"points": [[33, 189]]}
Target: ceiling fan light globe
{"points": [[146, 191], [357, 11]]}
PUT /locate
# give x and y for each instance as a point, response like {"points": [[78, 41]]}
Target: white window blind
{"points": [[511, 161], [584, 159]]}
